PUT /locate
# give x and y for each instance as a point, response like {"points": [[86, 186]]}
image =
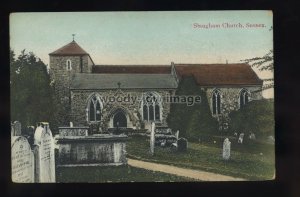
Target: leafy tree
{"points": [[191, 121], [264, 63], [30, 91], [257, 117]]}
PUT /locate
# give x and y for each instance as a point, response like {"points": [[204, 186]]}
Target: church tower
{"points": [[64, 63]]}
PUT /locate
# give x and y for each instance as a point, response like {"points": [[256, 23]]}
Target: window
{"points": [[244, 97], [69, 64], [151, 107], [216, 102], [94, 109]]}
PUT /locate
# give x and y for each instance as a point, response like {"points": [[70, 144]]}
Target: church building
{"points": [[84, 89]]}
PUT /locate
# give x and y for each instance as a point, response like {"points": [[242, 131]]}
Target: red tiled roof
{"points": [[135, 69], [70, 49], [205, 74], [219, 74]]}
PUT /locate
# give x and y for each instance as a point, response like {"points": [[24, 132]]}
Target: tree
{"points": [[191, 121], [257, 117], [264, 63], [31, 94]]}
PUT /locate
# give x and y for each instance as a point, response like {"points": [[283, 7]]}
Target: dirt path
{"points": [[195, 174]]}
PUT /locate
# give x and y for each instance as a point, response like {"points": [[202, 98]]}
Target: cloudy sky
{"points": [[147, 37]]}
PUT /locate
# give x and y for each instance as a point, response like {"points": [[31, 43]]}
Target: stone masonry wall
{"points": [[61, 76], [230, 100], [80, 99]]}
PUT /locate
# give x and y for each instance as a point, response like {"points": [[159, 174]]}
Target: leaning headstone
{"points": [[152, 138], [226, 149], [182, 145], [17, 131], [44, 154], [241, 138], [22, 160]]}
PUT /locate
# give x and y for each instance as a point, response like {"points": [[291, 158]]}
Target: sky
{"points": [[147, 37]]}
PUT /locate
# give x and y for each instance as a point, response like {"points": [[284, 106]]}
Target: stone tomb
{"points": [[76, 149], [22, 160], [44, 154], [164, 136]]}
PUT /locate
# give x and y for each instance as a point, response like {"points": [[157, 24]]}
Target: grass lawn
{"points": [[113, 174], [246, 160]]}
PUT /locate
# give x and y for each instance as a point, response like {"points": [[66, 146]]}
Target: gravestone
{"points": [[44, 154], [226, 149], [152, 138], [22, 160], [17, 128], [29, 134], [182, 145], [177, 134], [252, 136], [241, 138]]}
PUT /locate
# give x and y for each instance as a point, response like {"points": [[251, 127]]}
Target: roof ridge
{"points": [[71, 48]]}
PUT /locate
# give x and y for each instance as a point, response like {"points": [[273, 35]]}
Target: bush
{"points": [[256, 116], [191, 121]]}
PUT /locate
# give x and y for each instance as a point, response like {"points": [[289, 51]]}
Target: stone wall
{"points": [[61, 76], [133, 110], [230, 100]]}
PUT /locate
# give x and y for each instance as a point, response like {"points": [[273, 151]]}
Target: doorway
{"points": [[120, 120]]}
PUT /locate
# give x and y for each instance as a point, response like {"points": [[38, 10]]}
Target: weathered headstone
{"points": [[182, 145], [226, 149], [241, 138], [12, 130], [22, 160], [17, 131], [177, 134], [152, 138], [252, 136], [44, 154]]}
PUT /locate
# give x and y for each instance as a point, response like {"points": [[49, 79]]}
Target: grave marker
{"points": [[241, 138], [182, 145], [44, 154], [226, 149], [177, 134], [17, 128], [152, 138], [22, 160]]}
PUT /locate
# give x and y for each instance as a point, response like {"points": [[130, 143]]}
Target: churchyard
{"points": [[81, 157], [251, 161]]}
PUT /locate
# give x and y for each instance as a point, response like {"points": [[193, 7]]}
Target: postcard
{"points": [[156, 96]]}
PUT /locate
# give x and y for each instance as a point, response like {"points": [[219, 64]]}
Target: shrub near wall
{"points": [[192, 121], [256, 116]]}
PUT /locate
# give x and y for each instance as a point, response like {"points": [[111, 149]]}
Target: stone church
{"points": [[81, 86]]}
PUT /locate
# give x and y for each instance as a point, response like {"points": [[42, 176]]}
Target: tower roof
{"points": [[70, 49]]}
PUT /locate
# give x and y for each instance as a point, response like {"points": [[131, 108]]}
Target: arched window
{"points": [[151, 106], [244, 97], [69, 64], [94, 108], [216, 102]]}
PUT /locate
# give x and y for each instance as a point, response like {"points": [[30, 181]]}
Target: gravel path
{"points": [[194, 174]]}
